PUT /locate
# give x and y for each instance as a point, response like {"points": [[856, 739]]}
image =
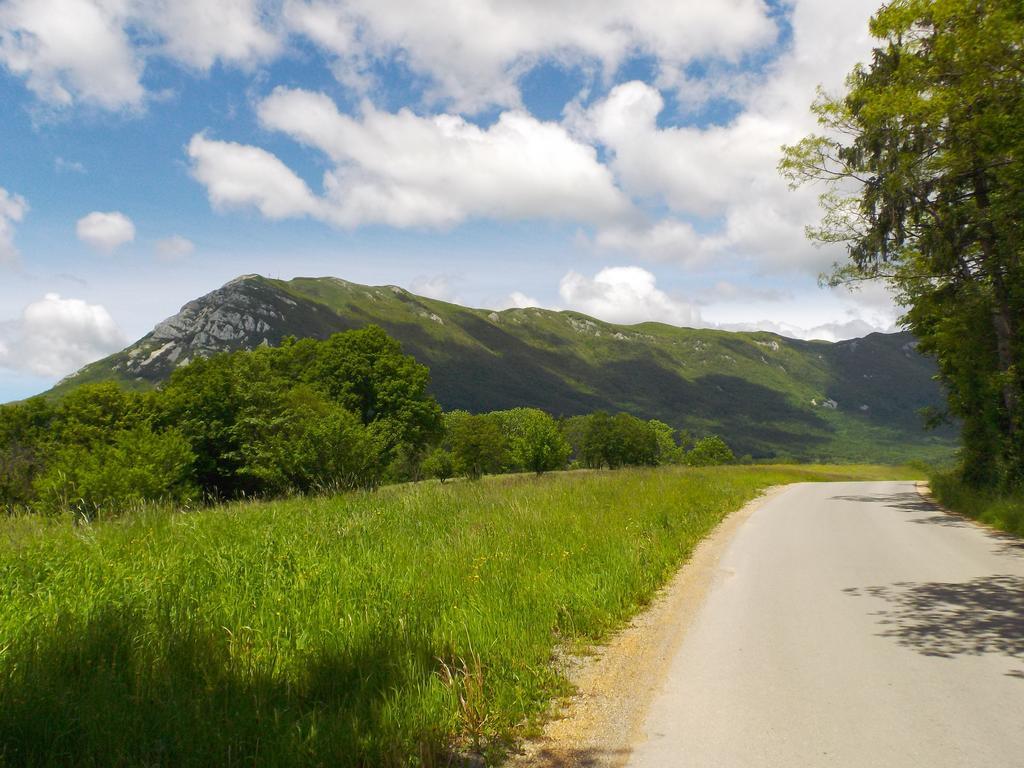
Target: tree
{"points": [[207, 401], [617, 441], [366, 372], [535, 443], [597, 444], [302, 441], [923, 164], [234, 407], [709, 451], [574, 429], [669, 451], [91, 413], [24, 429], [478, 444], [438, 464]]}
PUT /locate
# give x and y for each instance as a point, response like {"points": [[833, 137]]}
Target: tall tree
{"points": [[535, 443], [923, 162]]}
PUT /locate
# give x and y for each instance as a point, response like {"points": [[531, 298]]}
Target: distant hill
{"points": [[767, 395]]}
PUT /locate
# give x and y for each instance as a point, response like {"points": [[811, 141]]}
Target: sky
{"points": [[616, 157]]}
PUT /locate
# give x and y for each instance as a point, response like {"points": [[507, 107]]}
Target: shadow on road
{"points": [[908, 501], [911, 501], [1009, 545], [984, 615]]}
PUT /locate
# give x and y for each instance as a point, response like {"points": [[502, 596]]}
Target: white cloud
{"points": [[625, 295], [832, 315], [12, 210], [174, 248], [837, 331], [718, 173], [201, 32], [68, 49], [514, 300], [727, 173], [471, 51], [105, 232], [520, 300], [433, 287], [68, 166], [665, 240], [95, 51], [475, 50], [56, 336], [237, 176], [630, 294], [404, 170]]}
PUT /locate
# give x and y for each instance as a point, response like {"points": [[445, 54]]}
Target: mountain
{"points": [[767, 395]]}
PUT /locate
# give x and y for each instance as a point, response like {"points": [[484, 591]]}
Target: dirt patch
{"points": [[615, 685]]}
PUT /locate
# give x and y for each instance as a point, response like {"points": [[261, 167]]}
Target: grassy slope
{"points": [[318, 631], [1002, 511], [756, 389]]}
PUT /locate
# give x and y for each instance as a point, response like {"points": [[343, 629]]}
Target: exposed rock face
{"points": [[242, 314]]}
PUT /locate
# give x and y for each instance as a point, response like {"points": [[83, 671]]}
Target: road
{"points": [[849, 624]]}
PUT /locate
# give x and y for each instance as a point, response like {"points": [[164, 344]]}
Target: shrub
{"points": [[305, 442], [709, 451], [134, 465], [535, 443], [438, 464]]}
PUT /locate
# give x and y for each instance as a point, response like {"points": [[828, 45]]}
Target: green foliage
{"points": [[366, 372], [23, 434], [129, 466], [305, 416], [923, 159], [406, 464], [208, 401], [92, 451], [709, 451], [618, 441], [1004, 511], [242, 412], [438, 464], [318, 631], [306, 442], [535, 442], [669, 451], [478, 443], [90, 414]]}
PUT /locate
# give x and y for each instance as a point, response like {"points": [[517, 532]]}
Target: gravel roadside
{"points": [[597, 726]]}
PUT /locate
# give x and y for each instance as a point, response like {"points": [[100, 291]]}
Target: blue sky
{"points": [[613, 157]]}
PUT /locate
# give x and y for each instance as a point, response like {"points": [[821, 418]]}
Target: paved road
{"points": [[850, 624]]}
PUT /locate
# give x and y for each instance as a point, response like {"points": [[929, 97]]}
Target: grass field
{"points": [[1002, 511], [402, 627]]}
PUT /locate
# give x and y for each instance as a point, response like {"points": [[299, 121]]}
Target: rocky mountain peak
{"points": [[242, 314]]}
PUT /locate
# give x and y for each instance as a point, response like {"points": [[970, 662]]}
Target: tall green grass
{"points": [[402, 627], [1000, 510]]}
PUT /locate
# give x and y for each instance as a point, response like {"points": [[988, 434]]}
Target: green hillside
{"points": [[769, 396]]}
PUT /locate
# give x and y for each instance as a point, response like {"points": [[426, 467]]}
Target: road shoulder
{"points": [[616, 684]]}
